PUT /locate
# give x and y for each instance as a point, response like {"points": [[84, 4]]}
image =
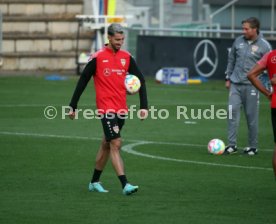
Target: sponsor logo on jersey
{"points": [[118, 71], [107, 72], [241, 45]]}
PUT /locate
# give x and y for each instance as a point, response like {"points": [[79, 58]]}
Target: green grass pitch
{"points": [[46, 164]]}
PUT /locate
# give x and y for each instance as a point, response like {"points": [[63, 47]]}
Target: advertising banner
{"points": [[205, 57]]}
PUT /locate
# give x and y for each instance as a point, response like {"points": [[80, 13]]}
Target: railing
{"points": [[232, 3], [217, 32]]}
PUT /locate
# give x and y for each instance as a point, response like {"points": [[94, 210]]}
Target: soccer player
{"points": [[109, 67], [268, 62], [246, 50]]}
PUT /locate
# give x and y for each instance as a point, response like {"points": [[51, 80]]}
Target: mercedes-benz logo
{"points": [[106, 71], [206, 58]]}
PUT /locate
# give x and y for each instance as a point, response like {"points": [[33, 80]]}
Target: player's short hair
{"points": [[115, 28], [254, 23]]}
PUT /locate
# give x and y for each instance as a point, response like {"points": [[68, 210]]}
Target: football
{"points": [[132, 84], [216, 146]]}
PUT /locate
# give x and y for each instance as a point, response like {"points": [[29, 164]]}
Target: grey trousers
{"points": [[246, 97]]}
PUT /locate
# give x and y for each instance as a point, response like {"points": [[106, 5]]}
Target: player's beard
{"points": [[115, 47]]}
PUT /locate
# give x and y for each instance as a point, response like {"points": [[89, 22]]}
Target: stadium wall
{"points": [[155, 52]]}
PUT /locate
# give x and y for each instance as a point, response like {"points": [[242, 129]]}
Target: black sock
{"points": [[123, 180], [96, 176]]}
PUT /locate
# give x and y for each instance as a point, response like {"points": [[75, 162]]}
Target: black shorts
{"points": [[112, 125], [273, 120]]}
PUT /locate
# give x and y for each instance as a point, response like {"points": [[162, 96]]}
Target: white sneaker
{"points": [[250, 151], [230, 149]]}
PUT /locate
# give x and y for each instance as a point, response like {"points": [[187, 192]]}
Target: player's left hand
{"points": [[273, 80], [143, 114]]}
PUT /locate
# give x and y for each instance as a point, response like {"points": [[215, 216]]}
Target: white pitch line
{"points": [[39, 105], [97, 138], [22, 105], [48, 135], [129, 149], [91, 138]]}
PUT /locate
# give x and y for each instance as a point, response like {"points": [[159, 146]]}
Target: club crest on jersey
{"points": [[273, 60], [123, 62], [116, 129], [255, 48]]}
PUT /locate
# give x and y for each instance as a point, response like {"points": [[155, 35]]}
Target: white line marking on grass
{"points": [[39, 105], [48, 135], [92, 138], [129, 149], [22, 105], [98, 138]]}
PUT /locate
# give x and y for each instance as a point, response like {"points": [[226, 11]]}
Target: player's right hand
{"points": [[72, 113], [270, 96], [227, 84]]}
